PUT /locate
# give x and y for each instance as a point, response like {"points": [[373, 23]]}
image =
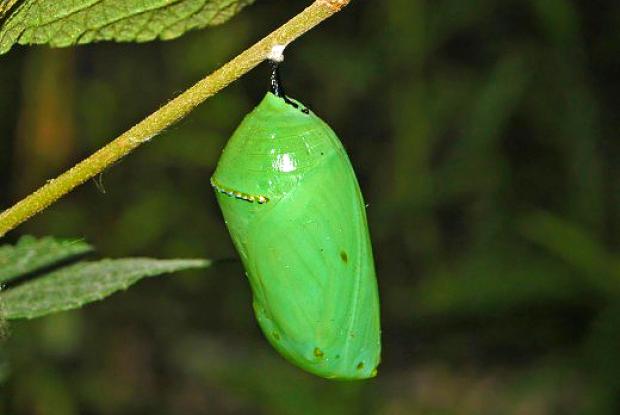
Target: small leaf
{"points": [[31, 254], [73, 286], [70, 22]]}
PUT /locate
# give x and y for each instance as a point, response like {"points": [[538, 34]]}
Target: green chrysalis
{"points": [[294, 210]]}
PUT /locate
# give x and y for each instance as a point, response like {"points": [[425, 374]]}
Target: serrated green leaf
{"points": [[69, 22], [73, 286], [31, 254]]}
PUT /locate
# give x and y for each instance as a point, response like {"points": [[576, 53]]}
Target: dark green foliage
{"points": [[70, 22], [31, 254], [68, 287], [82, 283]]}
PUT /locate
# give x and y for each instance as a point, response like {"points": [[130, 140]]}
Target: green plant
{"points": [[65, 23]]}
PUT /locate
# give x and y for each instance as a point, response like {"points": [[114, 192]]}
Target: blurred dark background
{"points": [[484, 134]]}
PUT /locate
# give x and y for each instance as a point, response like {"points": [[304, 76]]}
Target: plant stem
{"points": [[167, 115]]}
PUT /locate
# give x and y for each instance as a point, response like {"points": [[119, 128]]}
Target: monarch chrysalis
{"points": [[294, 209]]}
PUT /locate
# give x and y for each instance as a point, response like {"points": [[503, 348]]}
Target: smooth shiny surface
{"points": [[306, 251]]}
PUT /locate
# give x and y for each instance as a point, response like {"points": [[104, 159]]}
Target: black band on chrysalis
{"points": [[277, 89], [276, 82]]}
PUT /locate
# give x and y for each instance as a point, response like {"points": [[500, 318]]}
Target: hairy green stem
{"points": [[167, 115]]}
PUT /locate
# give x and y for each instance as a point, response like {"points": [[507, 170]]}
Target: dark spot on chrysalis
{"points": [[344, 257], [278, 90], [360, 365], [318, 352]]}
